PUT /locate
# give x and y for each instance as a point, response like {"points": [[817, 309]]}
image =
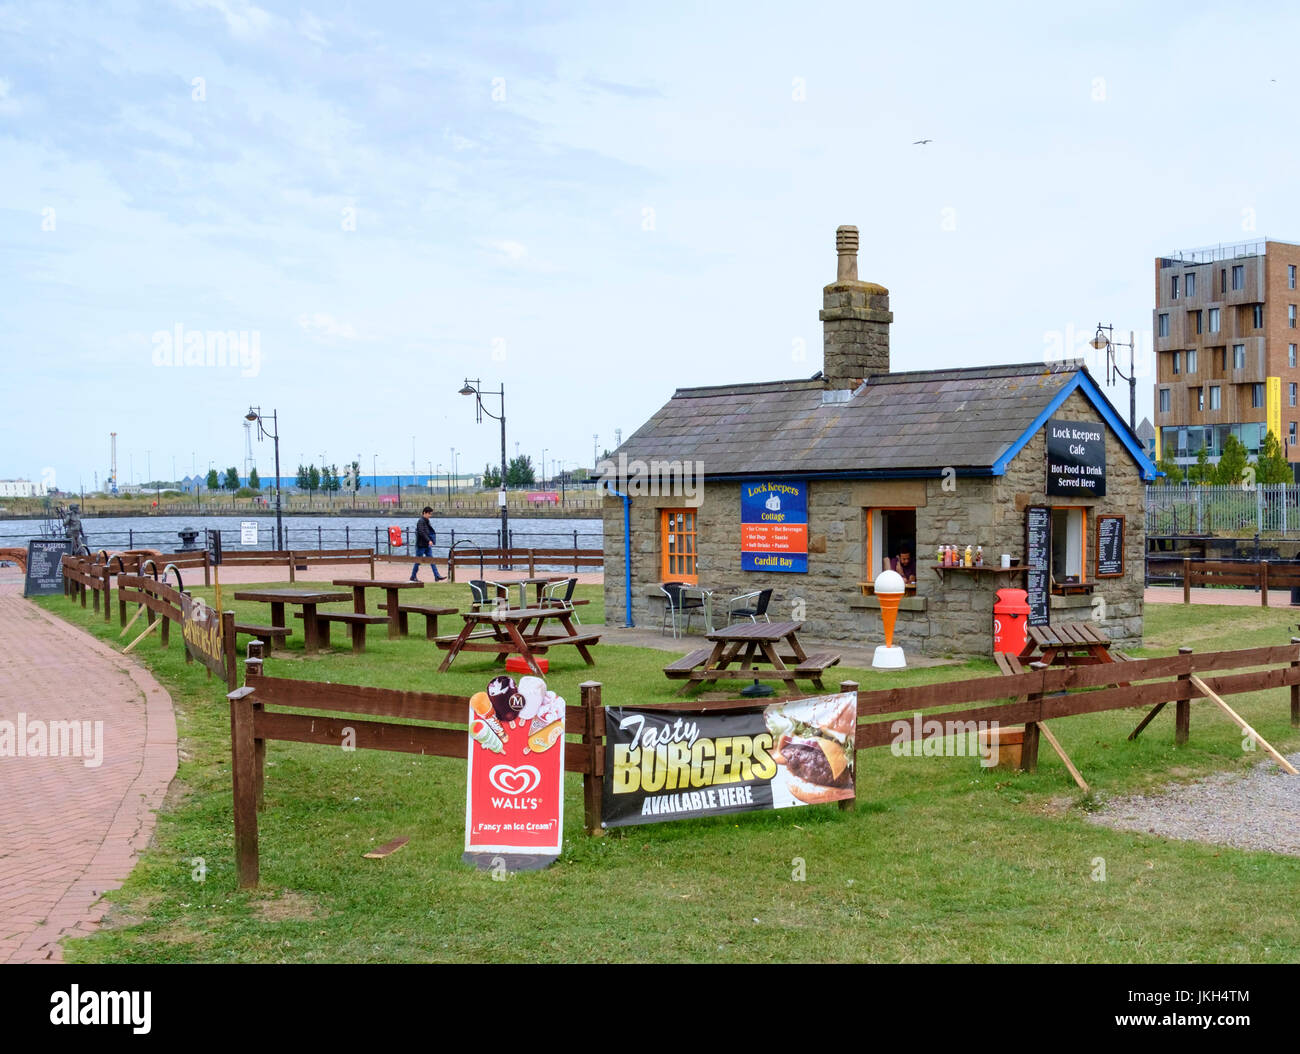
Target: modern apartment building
{"points": [[1226, 339]]}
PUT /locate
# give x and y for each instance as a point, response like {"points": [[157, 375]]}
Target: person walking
{"points": [[424, 544]]}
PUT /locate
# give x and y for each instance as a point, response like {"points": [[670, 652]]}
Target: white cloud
{"points": [[243, 19], [513, 250], [326, 327]]}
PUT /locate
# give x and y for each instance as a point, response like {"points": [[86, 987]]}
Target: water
{"points": [[303, 532]]}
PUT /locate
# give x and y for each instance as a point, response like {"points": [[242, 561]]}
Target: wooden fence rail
{"points": [[1262, 576], [884, 716], [517, 557]]}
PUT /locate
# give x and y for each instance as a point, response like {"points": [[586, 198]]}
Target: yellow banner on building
{"points": [[1273, 402]]}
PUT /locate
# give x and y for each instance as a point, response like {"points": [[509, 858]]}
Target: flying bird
{"points": [[922, 142]]}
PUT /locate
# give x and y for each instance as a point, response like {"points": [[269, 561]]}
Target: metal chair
{"points": [[487, 594], [753, 611], [551, 597], [676, 602]]}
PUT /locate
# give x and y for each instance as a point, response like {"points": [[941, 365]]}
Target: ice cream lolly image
{"points": [[482, 706], [533, 689], [542, 735], [483, 735], [502, 692]]}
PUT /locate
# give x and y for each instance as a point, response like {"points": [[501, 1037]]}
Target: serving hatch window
{"points": [[678, 541], [1069, 543], [891, 544]]}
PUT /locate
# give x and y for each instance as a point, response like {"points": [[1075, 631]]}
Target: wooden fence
{"points": [[519, 557], [1031, 698], [1262, 576]]}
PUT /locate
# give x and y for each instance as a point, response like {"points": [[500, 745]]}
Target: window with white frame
{"points": [[1214, 320], [1191, 360], [1164, 400], [1216, 397], [1256, 396], [1239, 356], [1069, 543], [1189, 283], [1292, 389], [1238, 277]]}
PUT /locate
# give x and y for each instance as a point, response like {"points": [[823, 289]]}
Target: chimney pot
{"points": [[846, 244]]}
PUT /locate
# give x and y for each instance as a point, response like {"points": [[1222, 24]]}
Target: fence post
{"points": [[347, 538], [243, 779], [593, 775], [1295, 689], [1259, 507], [1187, 579], [1183, 707], [229, 649], [1029, 747], [1263, 583], [1282, 489], [849, 804], [319, 544]]}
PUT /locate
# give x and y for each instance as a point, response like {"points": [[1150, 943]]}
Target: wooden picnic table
{"points": [[755, 648], [507, 632], [309, 599], [359, 587], [1066, 644]]}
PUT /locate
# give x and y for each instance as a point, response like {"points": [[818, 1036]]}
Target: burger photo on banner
{"points": [[666, 765], [514, 799]]}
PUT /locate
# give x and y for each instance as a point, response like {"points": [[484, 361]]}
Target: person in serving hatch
{"points": [[424, 544], [904, 564]]}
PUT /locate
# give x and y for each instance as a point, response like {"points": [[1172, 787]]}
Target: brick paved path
{"points": [[68, 833]]}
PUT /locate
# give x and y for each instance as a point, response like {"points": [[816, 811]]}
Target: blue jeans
{"points": [[424, 550]]}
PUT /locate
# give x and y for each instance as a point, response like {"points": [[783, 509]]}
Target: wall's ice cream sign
{"points": [[774, 525]]}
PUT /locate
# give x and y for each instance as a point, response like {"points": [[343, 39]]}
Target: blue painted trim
{"points": [[1082, 382]]}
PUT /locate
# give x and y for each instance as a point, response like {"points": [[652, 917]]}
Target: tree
{"points": [[313, 479], [300, 481], [1232, 462], [519, 473], [1172, 470], [254, 480], [232, 479], [1272, 466], [491, 477], [1202, 471], [213, 481]]}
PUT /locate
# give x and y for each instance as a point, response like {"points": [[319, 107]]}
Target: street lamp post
{"points": [[255, 414], [475, 389], [1103, 341]]}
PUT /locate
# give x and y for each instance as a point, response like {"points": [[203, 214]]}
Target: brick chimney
{"points": [[855, 321]]}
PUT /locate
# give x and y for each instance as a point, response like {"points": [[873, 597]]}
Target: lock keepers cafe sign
{"points": [[1076, 459], [774, 525]]}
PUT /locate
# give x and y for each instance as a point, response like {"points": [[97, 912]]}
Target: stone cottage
{"points": [[811, 487]]}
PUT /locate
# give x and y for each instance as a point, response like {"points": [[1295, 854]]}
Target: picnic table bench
{"points": [[309, 599], [505, 631], [268, 635], [393, 605], [405, 611], [755, 648], [356, 621], [1066, 644]]}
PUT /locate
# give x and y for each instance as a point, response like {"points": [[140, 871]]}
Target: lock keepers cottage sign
{"points": [[774, 525], [1076, 459]]}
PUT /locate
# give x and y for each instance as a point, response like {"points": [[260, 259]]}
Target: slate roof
{"points": [[904, 423]]}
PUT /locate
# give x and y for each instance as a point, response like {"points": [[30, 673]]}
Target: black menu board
{"points": [[1110, 546], [44, 570], [1038, 560]]}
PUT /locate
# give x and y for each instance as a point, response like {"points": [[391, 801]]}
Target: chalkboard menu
{"points": [[44, 571], [1038, 560], [1110, 546]]}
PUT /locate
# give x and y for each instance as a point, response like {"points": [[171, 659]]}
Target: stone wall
{"points": [[951, 615]]}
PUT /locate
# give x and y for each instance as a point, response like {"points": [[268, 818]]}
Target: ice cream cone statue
{"points": [[890, 588]]}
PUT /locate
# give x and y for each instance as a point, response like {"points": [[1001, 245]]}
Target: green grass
{"points": [[941, 860]]}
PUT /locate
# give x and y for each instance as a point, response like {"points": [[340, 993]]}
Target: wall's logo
{"points": [[515, 781]]}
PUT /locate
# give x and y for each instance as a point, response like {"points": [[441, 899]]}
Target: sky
{"points": [[588, 204]]}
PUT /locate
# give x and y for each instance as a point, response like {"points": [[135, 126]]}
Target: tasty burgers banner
{"points": [[665, 765]]}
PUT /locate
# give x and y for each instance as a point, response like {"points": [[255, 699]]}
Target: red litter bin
{"points": [[394, 536], [1010, 618]]}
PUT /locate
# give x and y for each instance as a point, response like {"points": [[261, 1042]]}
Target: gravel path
{"points": [[1260, 810]]}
